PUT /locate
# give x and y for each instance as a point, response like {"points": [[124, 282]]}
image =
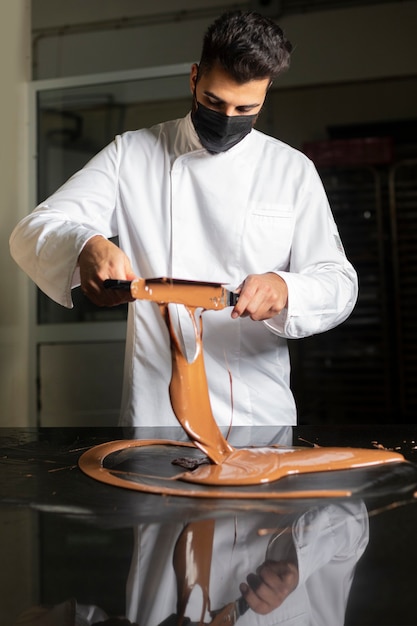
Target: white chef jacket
{"points": [[184, 213]]}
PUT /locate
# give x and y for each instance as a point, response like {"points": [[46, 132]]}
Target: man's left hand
{"points": [[261, 296], [270, 586]]}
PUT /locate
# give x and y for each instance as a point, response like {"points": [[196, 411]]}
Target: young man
{"points": [[204, 198]]}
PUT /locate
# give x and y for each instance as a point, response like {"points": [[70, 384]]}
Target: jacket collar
{"points": [[190, 133]]}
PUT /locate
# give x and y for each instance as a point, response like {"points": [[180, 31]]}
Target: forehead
{"points": [[220, 84]]}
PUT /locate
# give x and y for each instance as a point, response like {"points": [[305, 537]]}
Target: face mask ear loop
{"points": [[195, 102]]}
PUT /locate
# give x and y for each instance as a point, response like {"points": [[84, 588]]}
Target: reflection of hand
{"points": [[261, 296], [101, 259], [270, 586]]}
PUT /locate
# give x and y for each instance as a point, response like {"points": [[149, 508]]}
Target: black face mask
{"points": [[219, 132]]}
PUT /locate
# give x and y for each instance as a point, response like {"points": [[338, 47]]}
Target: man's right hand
{"points": [[101, 259]]}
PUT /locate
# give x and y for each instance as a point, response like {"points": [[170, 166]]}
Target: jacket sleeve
{"points": [[322, 283], [46, 244]]}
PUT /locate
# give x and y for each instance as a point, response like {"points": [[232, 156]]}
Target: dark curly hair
{"points": [[247, 45]]}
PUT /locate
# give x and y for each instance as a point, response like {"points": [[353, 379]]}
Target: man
{"points": [[204, 198]]}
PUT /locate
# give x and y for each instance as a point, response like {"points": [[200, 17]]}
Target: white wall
{"points": [[361, 43], [358, 43], [14, 72], [17, 552], [49, 13]]}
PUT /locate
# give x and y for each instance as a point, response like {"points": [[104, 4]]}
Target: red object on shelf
{"points": [[350, 152]]}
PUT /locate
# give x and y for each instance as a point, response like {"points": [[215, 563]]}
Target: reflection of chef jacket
{"points": [[329, 540], [181, 212]]}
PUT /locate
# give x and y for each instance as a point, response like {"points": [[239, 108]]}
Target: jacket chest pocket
{"points": [[271, 210], [268, 237]]}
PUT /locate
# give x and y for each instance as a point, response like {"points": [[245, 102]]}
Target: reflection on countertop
{"points": [[78, 552]]}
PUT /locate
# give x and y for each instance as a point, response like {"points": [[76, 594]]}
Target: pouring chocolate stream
{"points": [[188, 388]]}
